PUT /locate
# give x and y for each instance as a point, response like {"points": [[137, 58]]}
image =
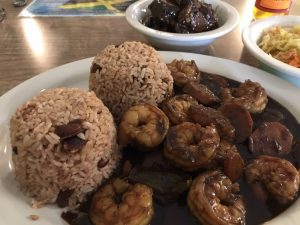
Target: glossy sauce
{"points": [[178, 213]]}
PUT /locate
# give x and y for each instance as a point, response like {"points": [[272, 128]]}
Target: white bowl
{"points": [[251, 36], [228, 19]]}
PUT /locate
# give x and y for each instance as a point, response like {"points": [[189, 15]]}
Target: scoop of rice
{"points": [[128, 74], [56, 161]]}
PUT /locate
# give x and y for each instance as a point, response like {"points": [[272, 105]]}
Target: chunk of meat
{"points": [[271, 138], [240, 119], [229, 159], [214, 82], [201, 93], [190, 19], [163, 11], [206, 116], [233, 163]]}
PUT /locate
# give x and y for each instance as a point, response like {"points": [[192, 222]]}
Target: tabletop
{"points": [[29, 46]]}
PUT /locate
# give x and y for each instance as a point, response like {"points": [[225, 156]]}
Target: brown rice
{"points": [[42, 168], [122, 76]]}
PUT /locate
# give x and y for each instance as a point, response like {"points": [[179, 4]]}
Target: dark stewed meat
{"points": [[181, 16]]}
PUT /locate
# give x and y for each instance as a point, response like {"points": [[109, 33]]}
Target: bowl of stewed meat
{"points": [[184, 24]]}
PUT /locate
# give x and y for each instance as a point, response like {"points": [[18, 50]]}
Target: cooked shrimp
{"points": [[183, 71], [190, 146], [119, 203], [214, 200], [143, 125], [278, 176], [249, 94], [176, 108]]}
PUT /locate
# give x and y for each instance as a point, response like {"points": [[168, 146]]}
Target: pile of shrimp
{"points": [[197, 131]]}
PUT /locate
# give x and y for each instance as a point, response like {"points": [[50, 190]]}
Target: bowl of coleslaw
{"points": [[275, 42]]}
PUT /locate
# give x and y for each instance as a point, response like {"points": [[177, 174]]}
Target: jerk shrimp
{"points": [[184, 71], [119, 203], [275, 175], [215, 200], [176, 108], [190, 146], [249, 94], [144, 125]]}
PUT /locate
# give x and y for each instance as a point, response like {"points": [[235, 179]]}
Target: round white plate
{"points": [[15, 208]]}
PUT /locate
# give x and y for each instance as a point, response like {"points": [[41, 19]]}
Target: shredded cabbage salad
{"points": [[283, 44]]}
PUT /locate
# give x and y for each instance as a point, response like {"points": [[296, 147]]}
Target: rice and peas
{"points": [[64, 139]]}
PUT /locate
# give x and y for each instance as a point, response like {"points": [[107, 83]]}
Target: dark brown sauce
{"points": [[257, 211], [178, 213]]}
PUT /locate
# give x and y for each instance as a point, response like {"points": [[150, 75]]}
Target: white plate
{"points": [[15, 208]]}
